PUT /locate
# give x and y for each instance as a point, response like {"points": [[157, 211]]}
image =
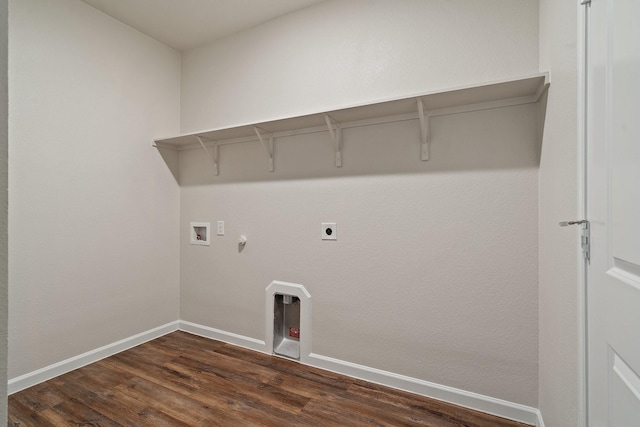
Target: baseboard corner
{"points": [[224, 336], [38, 376], [487, 404]]}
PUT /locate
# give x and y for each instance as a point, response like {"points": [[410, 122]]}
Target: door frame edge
{"points": [[581, 141]]}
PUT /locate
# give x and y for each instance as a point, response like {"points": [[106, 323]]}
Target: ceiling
{"points": [[184, 24]]}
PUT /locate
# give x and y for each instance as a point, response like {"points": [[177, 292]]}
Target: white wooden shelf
{"points": [[416, 107]]}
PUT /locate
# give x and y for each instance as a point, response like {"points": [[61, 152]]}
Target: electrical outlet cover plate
{"points": [[329, 231]]}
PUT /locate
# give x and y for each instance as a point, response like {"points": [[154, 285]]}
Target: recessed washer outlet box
{"points": [[200, 233]]}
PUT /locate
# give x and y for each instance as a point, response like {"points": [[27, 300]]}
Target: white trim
{"points": [[397, 118], [479, 402], [583, 361], [48, 372], [220, 335], [304, 131], [540, 422], [626, 374], [477, 92]]}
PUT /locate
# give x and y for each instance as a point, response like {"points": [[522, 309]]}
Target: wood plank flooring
{"points": [[185, 380]]}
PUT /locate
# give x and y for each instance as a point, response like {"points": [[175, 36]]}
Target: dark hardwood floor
{"points": [[184, 380]]}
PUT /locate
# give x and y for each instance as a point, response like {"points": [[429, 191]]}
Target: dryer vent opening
{"points": [[286, 326], [288, 320]]}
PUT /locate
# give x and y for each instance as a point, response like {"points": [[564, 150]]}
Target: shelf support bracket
{"points": [[268, 146], [424, 130], [336, 135], [214, 156]]}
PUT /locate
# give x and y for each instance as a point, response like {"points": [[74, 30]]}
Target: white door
{"points": [[613, 208]]}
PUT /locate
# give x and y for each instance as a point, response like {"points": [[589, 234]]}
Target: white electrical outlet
{"points": [[220, 230], [329, 231]]}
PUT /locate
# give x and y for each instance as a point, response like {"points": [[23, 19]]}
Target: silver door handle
{"points": [[577, 222]]}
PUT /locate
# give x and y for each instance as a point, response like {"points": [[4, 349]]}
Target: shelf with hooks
{"points": [[418, 107]]}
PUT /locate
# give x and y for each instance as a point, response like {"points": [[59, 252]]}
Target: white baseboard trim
{"points": [[540, 420], [224, 336], [479, 402], [48, 372]]}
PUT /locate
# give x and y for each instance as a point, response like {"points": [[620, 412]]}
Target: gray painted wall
{"points": [[434, 274], [93, 209], [3, 208], [557, 186], [558, 189]]}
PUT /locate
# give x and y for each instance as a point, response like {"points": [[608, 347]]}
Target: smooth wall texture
{"points": [[4, 27], [340, 53], [559, 253], [93, 219], [434, 273]]}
